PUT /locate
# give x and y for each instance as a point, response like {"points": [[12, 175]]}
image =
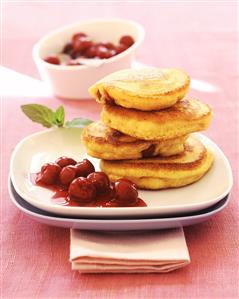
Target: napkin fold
{"points": [[128, 252]]}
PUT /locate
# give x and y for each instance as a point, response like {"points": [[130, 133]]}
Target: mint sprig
{"points": [[59, 117], [39, 114], [48, 118]]}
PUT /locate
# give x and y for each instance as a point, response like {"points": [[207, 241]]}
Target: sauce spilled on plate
{"points": [[61, 196]]}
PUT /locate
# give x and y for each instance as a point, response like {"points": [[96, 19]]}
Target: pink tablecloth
{"points": [[200, 38]]}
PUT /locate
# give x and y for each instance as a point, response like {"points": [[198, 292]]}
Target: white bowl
{"points": [[72, 82]]}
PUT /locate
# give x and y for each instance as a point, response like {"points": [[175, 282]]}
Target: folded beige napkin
{"points": [[128, 252]]}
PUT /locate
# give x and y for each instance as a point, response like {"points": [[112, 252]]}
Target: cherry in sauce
{"points": [[84, 168], [52, 60], [77, 184], [82, 190], [49, 173], [82, 46], [100, 180], [67, 175], [65, 161], [126, 40]]}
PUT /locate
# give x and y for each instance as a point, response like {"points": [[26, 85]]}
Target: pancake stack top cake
{"points": [[145, 127]]}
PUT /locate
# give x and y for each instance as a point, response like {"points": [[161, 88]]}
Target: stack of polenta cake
{"points": [[144, 133]]}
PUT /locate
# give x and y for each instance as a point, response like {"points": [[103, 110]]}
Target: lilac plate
{"points": [[115, 224]]}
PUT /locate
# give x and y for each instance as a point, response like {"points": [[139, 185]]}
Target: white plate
{"points": [[46, 146], [127, 224]]}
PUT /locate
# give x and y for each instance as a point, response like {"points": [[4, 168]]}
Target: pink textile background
{"points": [[200, 38]]}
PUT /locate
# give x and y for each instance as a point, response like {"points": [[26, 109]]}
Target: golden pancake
{"points": [[185, 117], [105, 143], [143, 89], [160, 172]]}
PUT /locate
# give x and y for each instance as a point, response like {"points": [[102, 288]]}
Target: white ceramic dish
{"points": [[35, 150], [115, 224], [73, 82]]}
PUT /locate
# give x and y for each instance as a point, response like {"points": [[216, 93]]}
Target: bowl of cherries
{"points": [[74, 57], [77, 184]]}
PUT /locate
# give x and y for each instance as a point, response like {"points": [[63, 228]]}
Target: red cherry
{"points": [[125, 193], [112, 189], [82, 189], [109, 46], [84, 168], [75, 54], [52, 60], [111, 53], [67, 174], [82, 43], [91, 52], [127, 181], [49, 174], [67, 49], [77, 36], [126, 40], [102, 52], [100, 181], [121, 48], [65, 161]]}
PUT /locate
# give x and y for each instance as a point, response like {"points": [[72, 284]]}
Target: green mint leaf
{"points": [[39, 114], [59, 116], [78, 123]]}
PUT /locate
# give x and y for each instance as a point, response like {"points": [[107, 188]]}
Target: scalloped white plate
{"points": [[47, 146]]}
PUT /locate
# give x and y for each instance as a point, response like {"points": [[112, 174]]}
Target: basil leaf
{"points": [[78, 123], [59, 116], [39, 114]]}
